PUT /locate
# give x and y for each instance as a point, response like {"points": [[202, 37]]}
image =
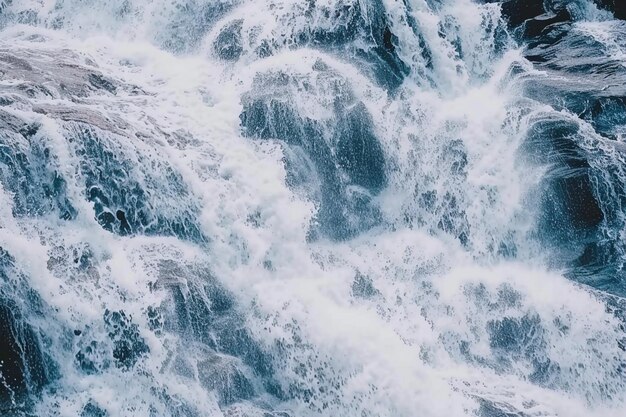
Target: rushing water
{"points": [[290, 208]]}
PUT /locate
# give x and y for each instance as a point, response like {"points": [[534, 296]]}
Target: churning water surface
{"points": [[292, 208]]}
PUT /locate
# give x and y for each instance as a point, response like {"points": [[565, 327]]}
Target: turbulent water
{"points": [[291, 208]]}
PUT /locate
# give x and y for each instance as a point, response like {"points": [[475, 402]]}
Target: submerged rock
{"points": [[581, 75], [122, 347], [361, 30], [617, 7], [23, 370], [128, 345], [26, 366], [225, 375], [91, 409], [585, 78], [27, 170], [534, 27], [228, 45], [363, 287], [571, 212], [518, 11], [104, 143], [345, 161]]}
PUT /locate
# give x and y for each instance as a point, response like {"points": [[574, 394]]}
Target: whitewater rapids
{"points": [[278, 208]]}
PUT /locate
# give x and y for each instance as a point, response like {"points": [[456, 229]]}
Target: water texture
{"points": [[298, 208]]}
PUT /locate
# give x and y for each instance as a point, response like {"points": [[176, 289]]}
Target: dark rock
{"points": [[207, 314], [535, 26], [512, 339], [128, 345], [363, 287], [360, 30], [91, 358], [580, 198], [228, 45], [28, 165], [534, 15], [338, 163], [106, 220], [518, 11], [580, 75], [23, 367], [224, 375], [91, 409], [572, 202], [570, 208], [124, 205], [366, 21], [607, 115], [27, 170], [358, 151], [99, 81], [618, 7], [124, 226], [155, 319], [26, 366], [124, 347], [191, 20], [53, 73], [496, 409], [227, 376]]}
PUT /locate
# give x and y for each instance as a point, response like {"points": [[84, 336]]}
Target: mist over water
{"points": [[292, 208]]}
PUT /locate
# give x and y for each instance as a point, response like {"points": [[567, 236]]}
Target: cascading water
{"points": [[289, 208]]}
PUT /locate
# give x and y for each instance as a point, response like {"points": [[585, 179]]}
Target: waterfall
{"points": [[293, 208]]}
